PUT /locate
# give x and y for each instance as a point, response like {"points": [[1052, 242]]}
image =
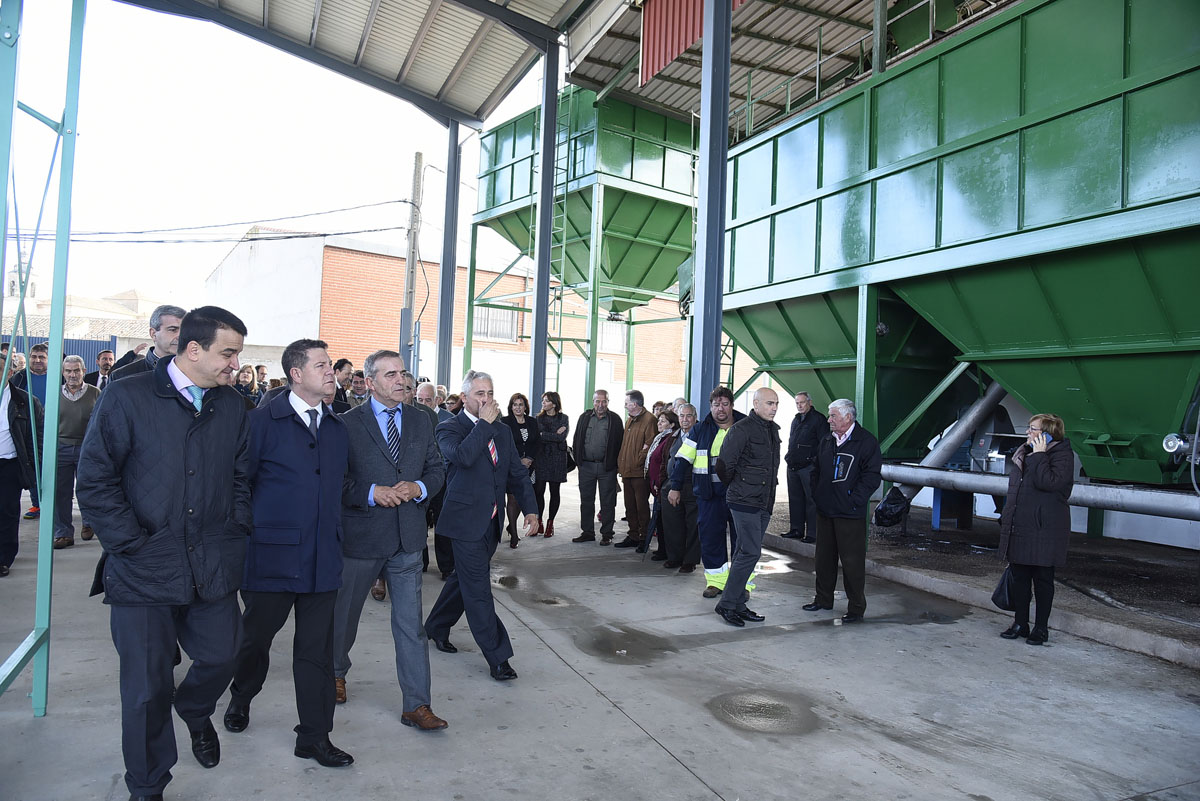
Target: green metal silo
{"points": [[1023, 197]]}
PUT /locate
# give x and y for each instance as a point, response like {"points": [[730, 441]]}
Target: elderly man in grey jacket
{"points": [[395, 468], [749, 466]]}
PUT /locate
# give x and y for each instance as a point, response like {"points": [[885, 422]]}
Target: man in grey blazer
{"points": [[395, 467]]}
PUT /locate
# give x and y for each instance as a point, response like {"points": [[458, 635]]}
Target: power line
{"points": [[83, 239]]}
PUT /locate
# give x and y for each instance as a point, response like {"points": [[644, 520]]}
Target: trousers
{"points": [[751, 526], [845, 540], [713, 521], [1042, 579]]}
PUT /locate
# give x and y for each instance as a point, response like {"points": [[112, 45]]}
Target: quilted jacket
{"points": [[165, 487]]}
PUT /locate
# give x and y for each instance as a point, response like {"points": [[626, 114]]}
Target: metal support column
{"points": [[864, 373], [469, 328], [407, 343], [709, 261], [879, 37], [545, 217], [595, 271], [10, 35], [445, 318], [629, 363]]}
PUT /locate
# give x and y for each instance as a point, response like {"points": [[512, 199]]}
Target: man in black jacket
{"points": [[808, 426], [598, 437], [163, 480], [749, 466], [21, 427], [846, 472], [164, 332]]}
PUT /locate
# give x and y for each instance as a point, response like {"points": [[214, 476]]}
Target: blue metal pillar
{"points": [[545, 215], [445, 318], [10, 35], [62, 242], [709, 261]]}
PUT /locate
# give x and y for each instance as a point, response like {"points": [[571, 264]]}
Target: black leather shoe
{"points": [[731, 617], [792, 535], [503, 672], [658, 557], [849, 618], [237, 716], [584, 537], [206, 747], [326, 753], [445, 646], [1038, 636], [155, 797], [1014, 631], [815, 607], [751, 616], [669, 565], [4, 570], [808, 539], [627, 543]]}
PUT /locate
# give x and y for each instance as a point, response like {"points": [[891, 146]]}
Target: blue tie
{"points": [[393, 434], [197, 395]]}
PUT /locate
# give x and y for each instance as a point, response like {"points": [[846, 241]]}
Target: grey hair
{"points": [[471, 377], [845, 407], [168, 310], [683, 406], [805, 394], [74, 360], [369, 368], [429, 384]]}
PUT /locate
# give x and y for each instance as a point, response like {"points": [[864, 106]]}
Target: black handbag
{"points": [[1002, 597], [570, 459]]}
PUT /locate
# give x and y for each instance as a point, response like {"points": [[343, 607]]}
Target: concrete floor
{"points": [[632, 688]]}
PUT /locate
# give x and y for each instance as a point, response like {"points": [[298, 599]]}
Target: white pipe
{"points": [[1179, 505]]}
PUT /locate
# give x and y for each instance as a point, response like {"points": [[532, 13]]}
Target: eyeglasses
{"points": [[1033, 430]]}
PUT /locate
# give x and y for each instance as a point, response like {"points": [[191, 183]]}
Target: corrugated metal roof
{"points": [[452, 61], [774, 45]]}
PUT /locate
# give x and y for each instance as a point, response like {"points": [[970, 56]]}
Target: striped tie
{"points": [[393, 434], [492, 451]]}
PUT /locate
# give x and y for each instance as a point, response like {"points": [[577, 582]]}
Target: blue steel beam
{"points": [[10, 36], [710, 219], [545, 213], [445, 318]]}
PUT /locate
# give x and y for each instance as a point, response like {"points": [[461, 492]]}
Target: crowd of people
{"points": [[201, 481]]}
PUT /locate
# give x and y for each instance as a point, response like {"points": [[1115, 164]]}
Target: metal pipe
{"points": [[952, 439], [449, 271], [1179, 505], [545, 222]]}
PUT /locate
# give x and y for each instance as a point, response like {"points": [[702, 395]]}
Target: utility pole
{"points": [[409, 348]]}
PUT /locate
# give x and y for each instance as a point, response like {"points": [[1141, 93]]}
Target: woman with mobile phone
{"points": [[1036, 523]]}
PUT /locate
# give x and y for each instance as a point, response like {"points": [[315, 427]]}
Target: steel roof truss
{"points": [[366, 34], [419, 39], [537, 34]]}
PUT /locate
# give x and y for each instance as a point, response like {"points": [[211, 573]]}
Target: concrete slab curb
{"points": [[1101, 631]]}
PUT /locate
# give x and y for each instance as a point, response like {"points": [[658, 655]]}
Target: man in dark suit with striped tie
{"points": [[394, 469], [483, 467]]}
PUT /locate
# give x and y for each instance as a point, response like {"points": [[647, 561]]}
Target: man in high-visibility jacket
{"points": [[718, 537]]}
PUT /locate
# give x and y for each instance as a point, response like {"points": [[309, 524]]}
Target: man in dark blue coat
{"points": [[298, 455], [162, 478], [484, 466]]}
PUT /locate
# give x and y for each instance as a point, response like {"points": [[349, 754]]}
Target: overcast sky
{"points": [[183, 123]]}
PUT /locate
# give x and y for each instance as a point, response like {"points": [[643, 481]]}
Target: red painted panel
{"points": [[668, 28]]}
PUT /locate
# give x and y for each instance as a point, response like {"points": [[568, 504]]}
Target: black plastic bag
{"points": [[1002, 597], [892, 510]]}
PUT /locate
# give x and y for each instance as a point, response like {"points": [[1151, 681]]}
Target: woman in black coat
{"points": [[1036, 523], [551, 460], [525, 435]]}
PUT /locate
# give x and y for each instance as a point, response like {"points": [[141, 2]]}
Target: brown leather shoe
{"points": [[423, 718], [86, 533], [339, 691], [63, 542], [379, 590]]}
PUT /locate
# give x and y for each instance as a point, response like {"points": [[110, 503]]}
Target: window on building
{"points": [[496, 324], [614, 336]]}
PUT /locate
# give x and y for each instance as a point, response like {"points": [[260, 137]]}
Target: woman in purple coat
{"points": [[1036, 523]]}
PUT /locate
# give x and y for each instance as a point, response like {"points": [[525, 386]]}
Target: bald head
{"points": [[766, 403]]}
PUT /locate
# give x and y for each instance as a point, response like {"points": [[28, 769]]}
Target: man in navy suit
{"points": [[483, 467], [298, 453]]}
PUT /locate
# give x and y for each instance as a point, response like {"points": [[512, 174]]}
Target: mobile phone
{"points": [[1047, 438]]}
